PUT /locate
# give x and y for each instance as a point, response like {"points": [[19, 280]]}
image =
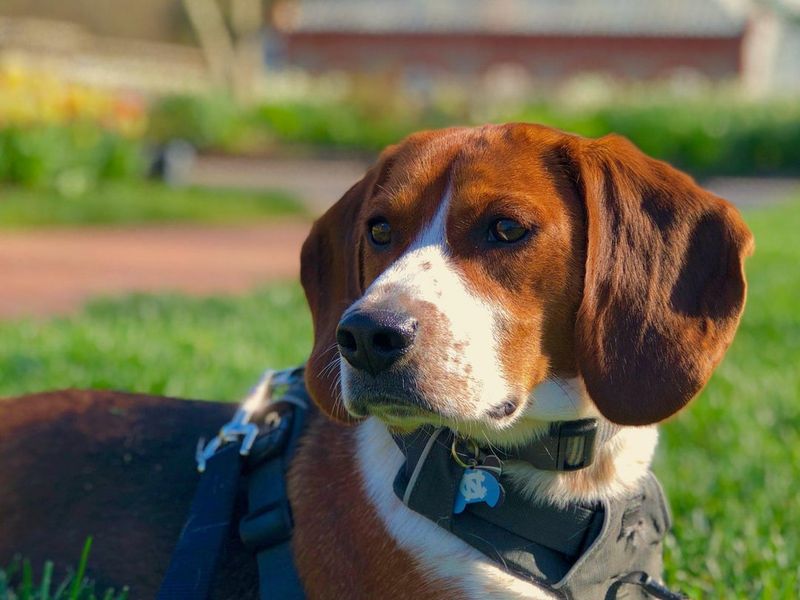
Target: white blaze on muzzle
{"points": [[463, 340]]}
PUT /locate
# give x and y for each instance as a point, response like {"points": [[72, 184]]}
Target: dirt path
{"points": [[55, 271]]}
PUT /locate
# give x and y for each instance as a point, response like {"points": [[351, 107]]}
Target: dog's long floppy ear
{"points": [[664, 284], [330, 274]]}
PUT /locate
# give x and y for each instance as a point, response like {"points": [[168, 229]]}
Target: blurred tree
{"points": [[233, 53]]}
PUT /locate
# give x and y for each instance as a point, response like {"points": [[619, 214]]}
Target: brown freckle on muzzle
{"points": [[435, 364]]}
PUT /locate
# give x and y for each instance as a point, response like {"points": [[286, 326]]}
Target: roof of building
{"points": [[693, 18]]}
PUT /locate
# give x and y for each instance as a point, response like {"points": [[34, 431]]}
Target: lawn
{"points": [[730, 464], [131, 203]]}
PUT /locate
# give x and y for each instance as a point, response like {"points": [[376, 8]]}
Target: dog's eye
{"points": [[506, 231], [380, 232]]}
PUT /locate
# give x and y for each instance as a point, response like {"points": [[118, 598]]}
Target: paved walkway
{"points": [[751, 192], [318, 183], [55, 271]]}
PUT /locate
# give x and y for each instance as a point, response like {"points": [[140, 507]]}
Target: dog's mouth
{"points": [[408, 407]]}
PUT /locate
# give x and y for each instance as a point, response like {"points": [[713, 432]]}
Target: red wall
{"points": [[548, 57]]}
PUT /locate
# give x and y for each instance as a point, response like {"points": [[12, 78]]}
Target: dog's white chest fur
{"points": [[441, 554]]}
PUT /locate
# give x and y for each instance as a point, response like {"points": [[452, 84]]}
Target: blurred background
{"points": [[161, 161]]}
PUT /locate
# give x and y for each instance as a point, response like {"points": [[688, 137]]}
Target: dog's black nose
{"points": [[373, 340]]}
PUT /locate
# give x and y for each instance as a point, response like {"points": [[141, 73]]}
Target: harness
{"points": [[255, 449], [602, 550]]}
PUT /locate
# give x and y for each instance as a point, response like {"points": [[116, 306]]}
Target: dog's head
{"points": [[469, 266]]}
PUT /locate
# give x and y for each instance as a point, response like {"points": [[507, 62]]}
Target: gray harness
{"points": [[605, 550]]}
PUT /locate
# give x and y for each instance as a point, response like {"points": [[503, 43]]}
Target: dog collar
{"points": [[565, 446]]}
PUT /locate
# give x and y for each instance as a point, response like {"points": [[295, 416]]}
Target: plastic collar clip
{"points": [[575, 443]]}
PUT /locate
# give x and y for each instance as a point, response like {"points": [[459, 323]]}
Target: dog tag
{"points": [[479, 484]]}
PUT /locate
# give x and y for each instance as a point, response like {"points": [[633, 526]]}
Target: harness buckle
{"points": [[240, 426]]}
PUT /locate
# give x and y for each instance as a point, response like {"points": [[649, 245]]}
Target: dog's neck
{"points": [[619, 465]]}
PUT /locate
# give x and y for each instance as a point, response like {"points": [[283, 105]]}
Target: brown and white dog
{"points": [[494, 280]]}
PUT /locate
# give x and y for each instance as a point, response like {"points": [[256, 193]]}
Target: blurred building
{"points": [[550, 39]]}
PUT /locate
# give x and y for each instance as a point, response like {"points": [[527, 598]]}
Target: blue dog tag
{"points": [[477, 485]]}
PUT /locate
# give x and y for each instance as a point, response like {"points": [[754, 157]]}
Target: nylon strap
{"points": [[532, 539], [195, 558], [267, 527], [266, 530]]}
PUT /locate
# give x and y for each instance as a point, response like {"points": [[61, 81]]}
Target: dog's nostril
{"points": [[383, 341], [391, 340], [346, 340]]}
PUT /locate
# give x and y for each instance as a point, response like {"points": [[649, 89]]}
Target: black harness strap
{"points": [[604, 549], [194, 560], [266, 529]]}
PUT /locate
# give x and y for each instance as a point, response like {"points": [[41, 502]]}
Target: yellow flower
{"points": [[30, 97]]}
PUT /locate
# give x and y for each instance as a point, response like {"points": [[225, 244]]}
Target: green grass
{"points": [[730, 464], [17, 582], [209, 348], [129, 203]]}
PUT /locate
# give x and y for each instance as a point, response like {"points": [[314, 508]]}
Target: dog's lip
{"points": [[505, 409], [387, 406]]}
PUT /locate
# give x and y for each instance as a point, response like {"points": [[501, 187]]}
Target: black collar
{"points": [[566, 446]]}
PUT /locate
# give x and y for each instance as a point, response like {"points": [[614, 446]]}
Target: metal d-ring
{"points": [[472, 461]]}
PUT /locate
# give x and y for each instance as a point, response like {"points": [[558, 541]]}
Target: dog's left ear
{"points": [[330, 274], [664, 284]]}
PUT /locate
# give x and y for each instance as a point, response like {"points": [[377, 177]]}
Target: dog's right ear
{"points": [[664, 283], [330, 272]]}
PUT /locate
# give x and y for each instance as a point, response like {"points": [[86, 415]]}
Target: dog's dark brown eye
{"points": [[506, 231], [380, 232]]}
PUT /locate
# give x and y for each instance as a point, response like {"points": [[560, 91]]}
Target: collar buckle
{"points": [[576, 444]]}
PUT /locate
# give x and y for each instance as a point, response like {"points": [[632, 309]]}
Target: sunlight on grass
{"points": [[205, 348]]}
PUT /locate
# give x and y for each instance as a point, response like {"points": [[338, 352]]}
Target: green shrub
{"points": [[706, 138], [707, 135], [212, 121], [70, 158]]}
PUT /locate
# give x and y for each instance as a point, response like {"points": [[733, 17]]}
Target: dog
{"points": [[480, 285], [492, 281]]}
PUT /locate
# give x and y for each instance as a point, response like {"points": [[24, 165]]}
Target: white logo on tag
{"points": [[471, 486]]}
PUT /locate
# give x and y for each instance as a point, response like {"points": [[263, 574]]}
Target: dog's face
{"points": [[470, 266]]}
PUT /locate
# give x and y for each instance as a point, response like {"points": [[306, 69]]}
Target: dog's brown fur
{"points": [[118, 467]]}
